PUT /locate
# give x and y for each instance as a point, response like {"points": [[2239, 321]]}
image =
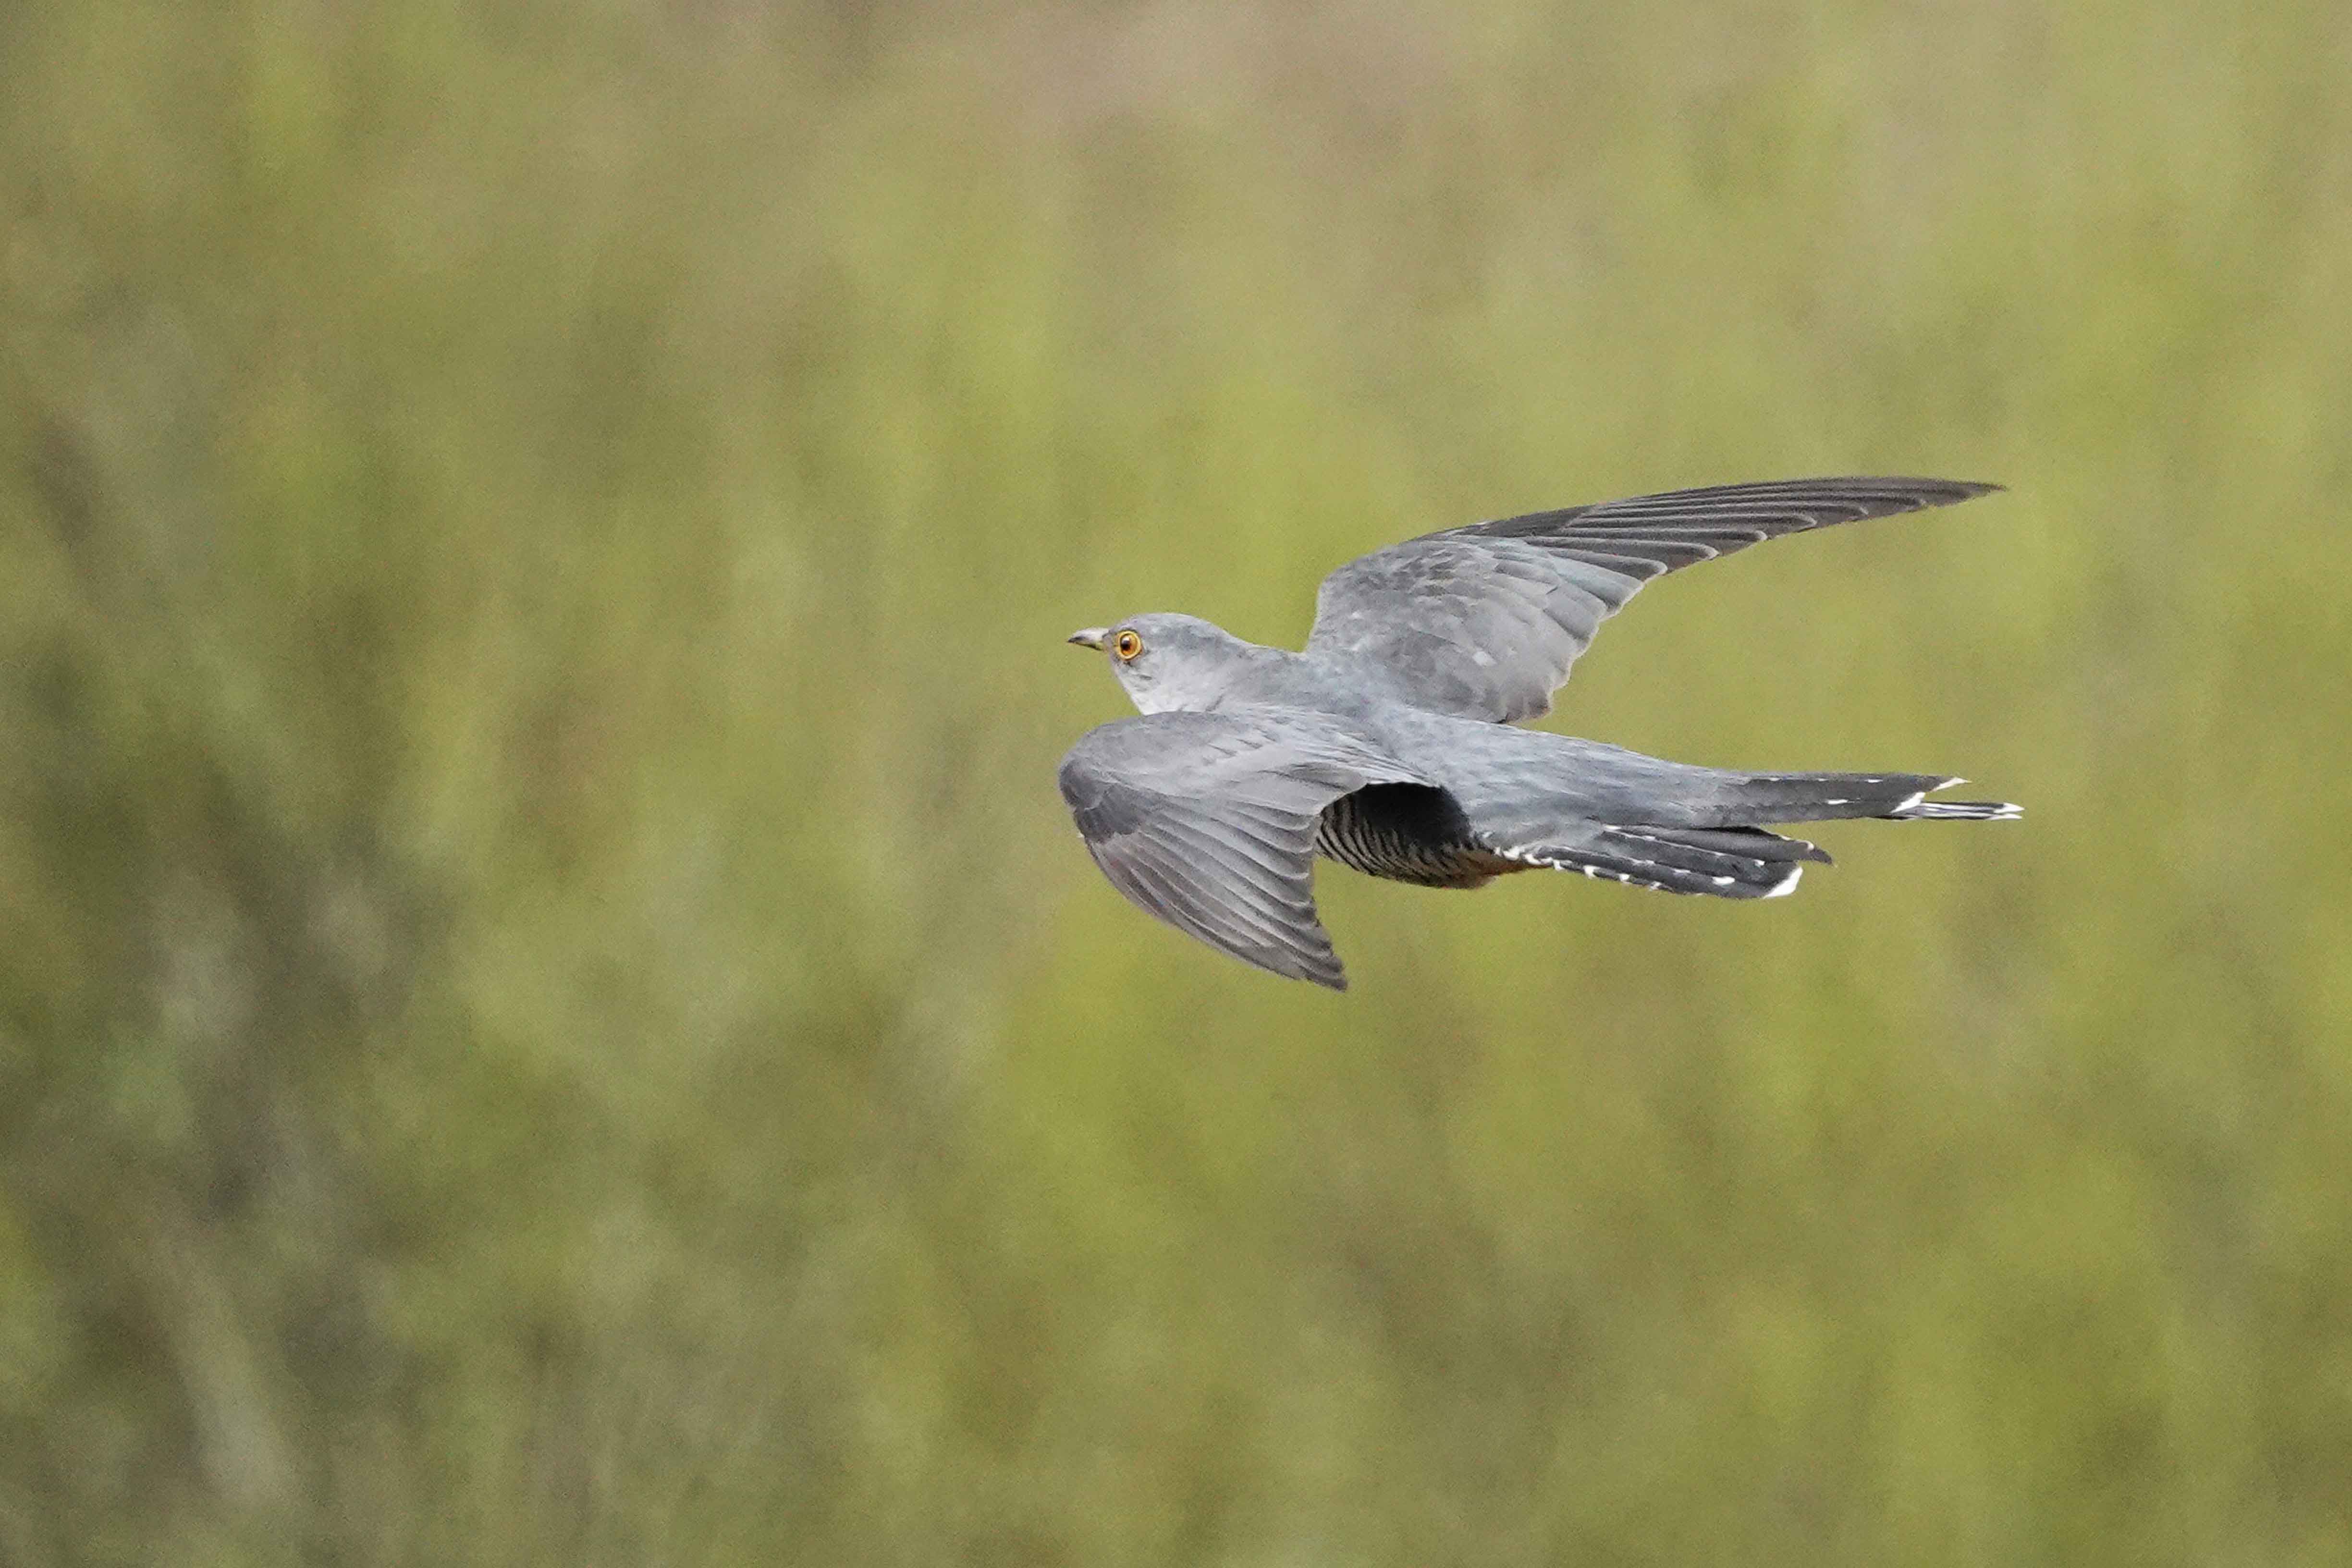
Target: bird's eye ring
{"points": [[1127, 644]]}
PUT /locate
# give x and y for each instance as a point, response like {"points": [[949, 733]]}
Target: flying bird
{"points": [[1388, 745]]}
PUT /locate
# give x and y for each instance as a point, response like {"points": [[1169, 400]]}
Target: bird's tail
{"points": [[1723, 862], [1747, 800], [1702, 830], [1579, 805]]}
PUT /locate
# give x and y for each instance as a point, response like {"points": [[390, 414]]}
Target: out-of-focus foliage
{"points": [[549, 1011]]}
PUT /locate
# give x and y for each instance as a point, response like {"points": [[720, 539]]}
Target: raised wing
{"points": [[1207, 820], [1484, 621]]}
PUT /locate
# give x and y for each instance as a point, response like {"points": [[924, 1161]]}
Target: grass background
{"points": [[549, 1012]]}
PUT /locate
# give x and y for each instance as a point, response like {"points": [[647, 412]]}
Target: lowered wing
{"points": [[1207, 820]]}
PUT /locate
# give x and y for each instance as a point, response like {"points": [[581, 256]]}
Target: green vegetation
{"points": [[550, 1011]]}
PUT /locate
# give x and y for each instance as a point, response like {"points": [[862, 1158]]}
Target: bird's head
{"points": [[1168, 662]]}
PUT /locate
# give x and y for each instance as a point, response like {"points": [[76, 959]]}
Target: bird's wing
{"points": [[1207, 820], [1484, 621]]}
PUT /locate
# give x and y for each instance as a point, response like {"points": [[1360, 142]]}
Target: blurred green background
{"points": [[550, 1011]]}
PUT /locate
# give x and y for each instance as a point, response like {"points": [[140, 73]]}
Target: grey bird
{"points": [[1387, 744]]}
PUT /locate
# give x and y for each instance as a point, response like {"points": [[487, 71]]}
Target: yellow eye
{"points": [[1127, 644]]}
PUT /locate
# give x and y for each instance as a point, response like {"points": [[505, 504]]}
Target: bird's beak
{"points": [[1091, 638]]}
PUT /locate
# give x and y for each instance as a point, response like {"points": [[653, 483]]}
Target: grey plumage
{"points": [[1209, 821], [1386, 745], [1484, 621]]}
